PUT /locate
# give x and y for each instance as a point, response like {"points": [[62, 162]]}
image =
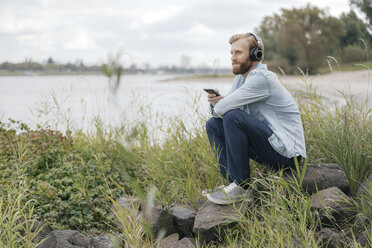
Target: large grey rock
{"points": [[79, 239], [361, 221], [183, 220], [65, 239], [160, 220], [330, 238], [130, 205], [36, 226], [332, 202], [184, 243], [322, 176], [170, 240], [105, 241], [363, 240], [126, 207], [212, 220], [364, 191]]}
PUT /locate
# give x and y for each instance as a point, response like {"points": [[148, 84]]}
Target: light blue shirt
{"points": [[262, 95]]}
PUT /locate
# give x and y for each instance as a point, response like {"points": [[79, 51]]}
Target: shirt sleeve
{"points": [[255, 88]]}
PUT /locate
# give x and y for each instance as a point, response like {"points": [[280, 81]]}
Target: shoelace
{"points": [[230, 187]]}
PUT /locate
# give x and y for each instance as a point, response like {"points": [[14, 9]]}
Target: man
{"points": [[258, 119]]}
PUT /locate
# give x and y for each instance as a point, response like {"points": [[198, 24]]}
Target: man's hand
{"points": [[213, 99]]}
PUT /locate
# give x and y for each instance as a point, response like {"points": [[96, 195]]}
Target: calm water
{"points": [[75, 100]]}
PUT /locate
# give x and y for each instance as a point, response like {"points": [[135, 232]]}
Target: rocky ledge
{"points": [[181, 226]]}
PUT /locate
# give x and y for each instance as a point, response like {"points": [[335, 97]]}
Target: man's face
{"points": [[241, 62]]}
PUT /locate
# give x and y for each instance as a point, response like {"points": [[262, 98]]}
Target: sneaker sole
{"points": [[229, 201], [208, 191]]}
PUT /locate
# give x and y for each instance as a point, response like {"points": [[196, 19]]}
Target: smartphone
{"points": [[212, 91]]}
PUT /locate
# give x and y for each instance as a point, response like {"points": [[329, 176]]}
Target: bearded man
{"points": [[257, 119]]}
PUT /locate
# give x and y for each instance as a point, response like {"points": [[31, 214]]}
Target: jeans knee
{"points": [[211, 124], [231, 116]]}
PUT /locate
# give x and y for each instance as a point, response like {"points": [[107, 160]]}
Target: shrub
{"points": [[69, 176], [353, 53]]}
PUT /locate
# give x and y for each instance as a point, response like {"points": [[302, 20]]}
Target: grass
{"points": [[70, 180], [355, 66]]}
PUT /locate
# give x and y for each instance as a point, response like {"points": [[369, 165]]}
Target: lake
{"points": [[73, 101], [62, 101]]}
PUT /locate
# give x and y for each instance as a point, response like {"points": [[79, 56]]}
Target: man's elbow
{"points": [[218, 111]]}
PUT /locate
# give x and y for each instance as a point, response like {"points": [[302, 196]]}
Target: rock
{"points": [[160, 221], [331, 238], [361, 221], [212, 220], [363, 240], [126, 207], [105, 241], [334, 202], [184, 220], [322, 176], [36, 226], [364, 191], [62, 238], [79, 239], [184, 243], [171, 239], [132, 205]]}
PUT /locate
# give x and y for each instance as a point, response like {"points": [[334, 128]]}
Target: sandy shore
{"points": [[357, 84]]}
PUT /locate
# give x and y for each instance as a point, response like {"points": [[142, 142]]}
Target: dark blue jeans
{"points": [[239, 137]]}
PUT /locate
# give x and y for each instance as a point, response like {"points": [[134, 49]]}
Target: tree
{"points": [[365, 6], [355, 29], [302, 36], [50, 61]]}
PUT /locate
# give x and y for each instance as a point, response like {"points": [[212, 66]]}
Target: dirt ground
{"points": [[357, 84]]}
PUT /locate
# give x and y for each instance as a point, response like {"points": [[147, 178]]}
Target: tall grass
{"points": [[340, 134], [88, 170]]}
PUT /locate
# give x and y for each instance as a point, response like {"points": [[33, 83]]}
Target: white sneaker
{"points": [[229, 194], [205, 192]]}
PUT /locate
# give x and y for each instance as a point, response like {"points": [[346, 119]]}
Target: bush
{"points": [[353, 53], [338, 134], [69, 177]]}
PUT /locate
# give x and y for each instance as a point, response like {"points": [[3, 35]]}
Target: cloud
{"points": [[11, 24], [81, 42], [200, 30], [39, 41], [142, 18]]}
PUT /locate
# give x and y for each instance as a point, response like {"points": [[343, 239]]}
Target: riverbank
{"points": [[68, 181]]}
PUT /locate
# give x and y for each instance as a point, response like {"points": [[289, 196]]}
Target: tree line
{"points": [[307, 37]]}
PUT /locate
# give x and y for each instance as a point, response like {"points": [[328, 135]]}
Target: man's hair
{"points": [[251, 41]]}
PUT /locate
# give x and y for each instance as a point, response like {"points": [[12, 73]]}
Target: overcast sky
{"points": [[158, 32]]}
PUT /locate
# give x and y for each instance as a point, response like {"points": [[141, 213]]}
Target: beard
{"points": [[243, 67]]}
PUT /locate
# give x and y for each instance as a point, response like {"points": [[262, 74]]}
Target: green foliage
{"points": [[303, 36], [355, 29], [365, 6], [338, 134], [69, 177], [281, 215], [353, 53], [70, 180], [113, 70]]}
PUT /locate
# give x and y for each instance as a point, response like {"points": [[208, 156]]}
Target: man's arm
{"points": [[255, 88]]}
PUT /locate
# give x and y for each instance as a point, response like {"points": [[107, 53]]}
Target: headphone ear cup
{"points": [[252, 54]]}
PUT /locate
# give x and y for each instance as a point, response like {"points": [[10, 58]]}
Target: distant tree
{"points": [[50, 61], [355, 29], [302, 36], [185, 62], [365, 6]]}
